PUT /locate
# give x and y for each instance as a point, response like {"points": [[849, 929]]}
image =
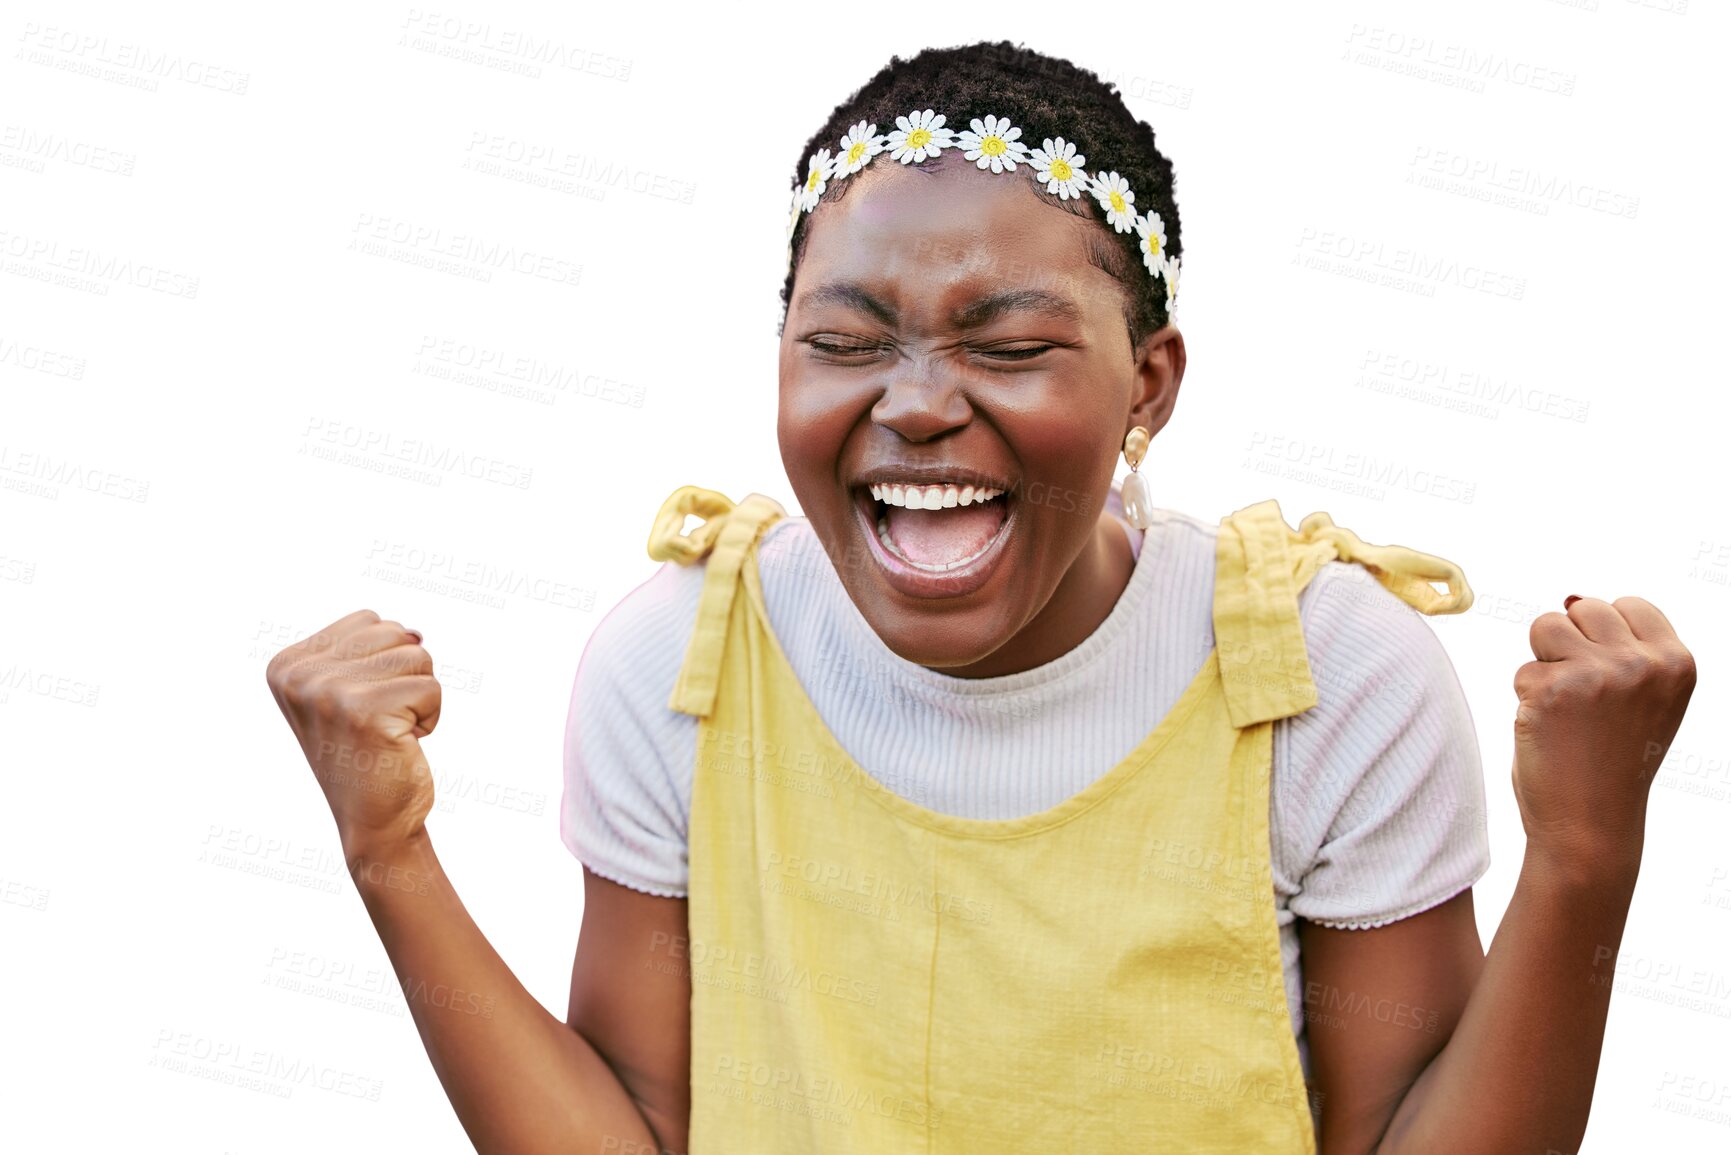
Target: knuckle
{"points": [[1678, 664], [370, 723], [1549, 622], [342, 698], [293, 679], [1540, 691], [1588, 680], [1632, 665]]}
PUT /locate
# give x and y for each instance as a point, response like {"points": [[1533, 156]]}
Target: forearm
{"points": [[1518, 1072], [519, 1080]]}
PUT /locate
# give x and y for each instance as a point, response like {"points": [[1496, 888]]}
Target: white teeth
{"points": [[932, 496]]}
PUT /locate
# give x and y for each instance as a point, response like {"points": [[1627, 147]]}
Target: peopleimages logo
{"points": [[1373, 257], [1456, 65]]}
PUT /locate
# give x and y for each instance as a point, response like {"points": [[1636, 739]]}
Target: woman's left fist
{"points": [[1598, 710]]}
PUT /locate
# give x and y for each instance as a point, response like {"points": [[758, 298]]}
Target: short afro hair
{"points": [[1046, 96]]}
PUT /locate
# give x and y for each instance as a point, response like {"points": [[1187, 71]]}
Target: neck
{"points": [[1083, 599]]}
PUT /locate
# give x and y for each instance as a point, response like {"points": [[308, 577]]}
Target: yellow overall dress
{"points": [[871, 977]]}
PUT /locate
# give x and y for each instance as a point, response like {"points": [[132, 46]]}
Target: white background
{"points": [[1540, 401]]}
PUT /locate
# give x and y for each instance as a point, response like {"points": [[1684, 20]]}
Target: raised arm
{"points": [[359, 695], [1598, 708]]}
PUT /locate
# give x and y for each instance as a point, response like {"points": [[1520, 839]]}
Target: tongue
{"points": [[941, 536]]}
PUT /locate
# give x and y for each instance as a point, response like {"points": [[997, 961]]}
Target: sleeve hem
{"points": [[612, 875], [1404, 912]]}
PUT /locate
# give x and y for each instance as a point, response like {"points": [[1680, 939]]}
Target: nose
{"points": [[922, 403]]}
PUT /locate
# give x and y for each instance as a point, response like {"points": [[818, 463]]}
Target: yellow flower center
{"points": [[857, 151], [1061, 170], [811, 181], [1117, 202], [993, 146], [919, 138]]}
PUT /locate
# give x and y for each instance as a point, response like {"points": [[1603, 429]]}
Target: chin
{"points": [[937, 640]]}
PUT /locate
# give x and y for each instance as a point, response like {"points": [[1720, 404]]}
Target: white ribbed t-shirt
{"points": [[1377, 802]]}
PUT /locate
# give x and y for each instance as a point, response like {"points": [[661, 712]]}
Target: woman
{"points": [[963, 813]]}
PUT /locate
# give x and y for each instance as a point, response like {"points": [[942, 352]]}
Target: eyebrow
{"points": [[850, 294], [988, 308], [973, 315]]}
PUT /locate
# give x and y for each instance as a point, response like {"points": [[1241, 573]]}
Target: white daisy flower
{"points": [[993, 144], [1169, 270], [1059, 165], [1152, 230], [919, 136], [1113, 193], [858, 146], [816, 178]]}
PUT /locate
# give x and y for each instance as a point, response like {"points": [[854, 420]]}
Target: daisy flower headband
{"points": [[994, 143]]}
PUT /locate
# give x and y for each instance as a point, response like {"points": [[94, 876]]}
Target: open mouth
{"points": [[935, 529]]}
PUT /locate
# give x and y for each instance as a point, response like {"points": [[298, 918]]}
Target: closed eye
{"points": [[855, 349], [1021, 353], [833, 349]]}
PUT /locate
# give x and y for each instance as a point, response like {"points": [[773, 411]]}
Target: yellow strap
{"points": [[1404, 572], [1261, 564], [726, 538]]}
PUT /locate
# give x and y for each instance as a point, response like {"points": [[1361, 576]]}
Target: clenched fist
{"points": [[1598, 710], [359, 695]]}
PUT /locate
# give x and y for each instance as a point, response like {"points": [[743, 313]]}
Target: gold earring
{"points": [[1137, 497]]}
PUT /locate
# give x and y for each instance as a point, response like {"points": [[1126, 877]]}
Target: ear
{"points": [[1159, 370]]}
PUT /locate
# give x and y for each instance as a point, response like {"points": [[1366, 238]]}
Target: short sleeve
{"points": [[628, 757], [1379, 786]]}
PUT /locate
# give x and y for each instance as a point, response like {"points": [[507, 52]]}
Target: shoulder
{"points": [[1380, 788], [650, 622], [1186, 528], [638, 647], [629, 666], [1372, 647], [636, 650], [627, 754]]}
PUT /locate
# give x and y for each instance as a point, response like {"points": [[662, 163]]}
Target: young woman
{"points": [[983, 808]]}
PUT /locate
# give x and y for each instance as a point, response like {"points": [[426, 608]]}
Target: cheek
{"points": [[812, 425], [1067, 458]]}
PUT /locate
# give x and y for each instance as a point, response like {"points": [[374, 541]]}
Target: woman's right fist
{"points": [[359, 695]]}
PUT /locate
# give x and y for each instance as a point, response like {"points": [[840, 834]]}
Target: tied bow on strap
{"points": [[1261, 564], [669, 542], [725, 538], [1404, 572]]}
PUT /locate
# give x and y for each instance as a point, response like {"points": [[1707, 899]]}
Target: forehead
{"points": [[944, 235]]}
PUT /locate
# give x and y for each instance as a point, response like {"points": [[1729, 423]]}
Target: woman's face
{"points": [[946, 329]]}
